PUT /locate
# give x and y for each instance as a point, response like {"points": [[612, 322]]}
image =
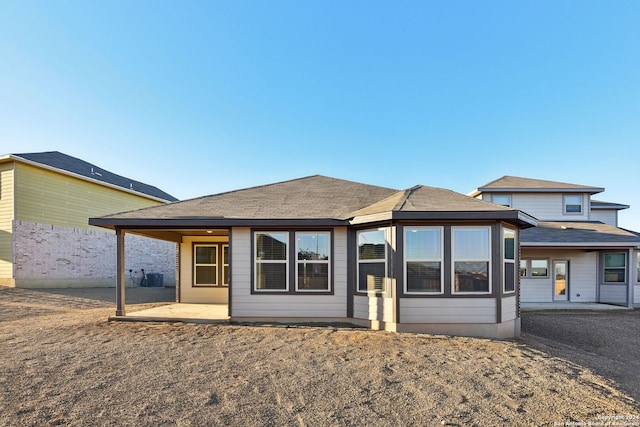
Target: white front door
{"points": [[560, 280]]}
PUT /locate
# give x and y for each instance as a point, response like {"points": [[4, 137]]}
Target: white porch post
{"points": [[120, 276]]}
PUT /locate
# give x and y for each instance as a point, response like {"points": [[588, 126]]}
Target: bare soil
{"points": [[63, 363]]}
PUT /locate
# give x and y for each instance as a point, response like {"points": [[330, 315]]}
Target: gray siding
{"points": [[454, 310], [583, 276], [608, 216], [548, 206], [613, 294], [246, 304]]}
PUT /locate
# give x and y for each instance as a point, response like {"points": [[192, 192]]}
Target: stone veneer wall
{"points": [[53, 256]]}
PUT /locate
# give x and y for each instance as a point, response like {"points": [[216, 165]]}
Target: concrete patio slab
{"points": [[190, 313]]}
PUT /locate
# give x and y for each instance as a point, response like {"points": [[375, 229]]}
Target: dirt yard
{"points": [[63, 363]]}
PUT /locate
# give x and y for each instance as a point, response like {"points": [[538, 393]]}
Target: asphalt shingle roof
{"points": [[64, 162], [422, 198], [587, 233], [516, 183], [313, 197]]}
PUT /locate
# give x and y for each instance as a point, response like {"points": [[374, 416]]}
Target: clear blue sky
{"points": [[199, 97]]}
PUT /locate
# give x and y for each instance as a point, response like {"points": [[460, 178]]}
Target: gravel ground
{"points": [[607, 342], [62, 363]]}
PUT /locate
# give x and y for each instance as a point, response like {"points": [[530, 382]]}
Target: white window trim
{"points": [[516, 273], [529, 275], [453, 261], [196, 265], [327, 262], [372, 261], [257, 261], [604, 268], [565, 204], [440, 260]]}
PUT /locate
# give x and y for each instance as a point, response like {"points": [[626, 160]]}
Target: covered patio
{"points": [[180, 312]]}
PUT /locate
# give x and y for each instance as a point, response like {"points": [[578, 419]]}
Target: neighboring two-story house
{"points": [[577, 252], [46, 200]]}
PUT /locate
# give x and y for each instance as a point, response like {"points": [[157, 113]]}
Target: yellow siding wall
{"points": [[46, 197], [6, 217]]}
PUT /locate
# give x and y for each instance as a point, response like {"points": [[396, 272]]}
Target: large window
{"points": [[509, 250], [615, 267], [573, 204], [638, 268], [423, 260], [372, 260], [534, 268], [312, 260], [471, 260], [271, 261]]}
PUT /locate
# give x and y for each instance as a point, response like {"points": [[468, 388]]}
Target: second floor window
{"points": [[502, 199], [573, 204]]}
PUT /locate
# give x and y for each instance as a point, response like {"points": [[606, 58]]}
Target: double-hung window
{"points": [[271, 261], [205, 268], [615, 267], [509, 251], [423, 260], [372, 260], [471, 260], [572, 204], [312, 260]]}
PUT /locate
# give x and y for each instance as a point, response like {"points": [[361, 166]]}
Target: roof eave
{"points": [[212, 222], [583, 245], [590, 190], [522, 219]]}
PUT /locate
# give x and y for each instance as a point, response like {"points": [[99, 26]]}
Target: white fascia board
{"points": [[84, 178], [525, 217]]}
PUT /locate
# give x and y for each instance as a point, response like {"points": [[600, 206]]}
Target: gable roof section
{"points": [[508, 184], [316, 199], [591, 234], [73, 166]]}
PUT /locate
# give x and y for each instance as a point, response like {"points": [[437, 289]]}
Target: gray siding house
{"points": [[577, 253], [321, 249]]}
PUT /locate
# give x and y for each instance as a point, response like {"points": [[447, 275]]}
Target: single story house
{"points": [[321, 249]]}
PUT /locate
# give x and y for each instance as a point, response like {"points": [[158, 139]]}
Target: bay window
{"points": [[471, 259], [423, 252], [509, 259], [372, 260]]}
